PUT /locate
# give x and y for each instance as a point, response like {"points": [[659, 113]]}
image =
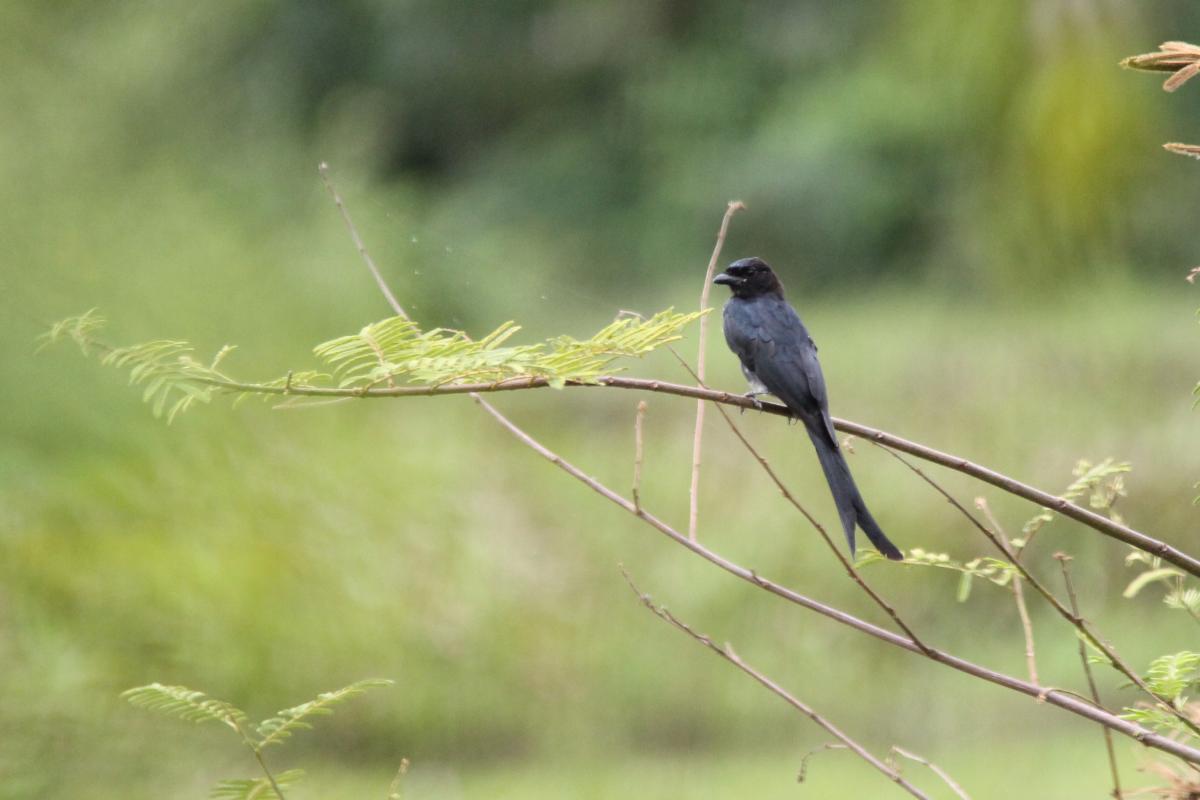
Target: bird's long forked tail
{"points": [[851, 508]]}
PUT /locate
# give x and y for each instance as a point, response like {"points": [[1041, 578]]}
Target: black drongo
{"points": [[779, 357]]}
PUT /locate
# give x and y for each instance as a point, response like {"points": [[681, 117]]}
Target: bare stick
{"points": [[934, 768], [638, 422], [726, 652], [697, 439], [1077, 621], [1053, 697], [1097, 522], [270, 778], [323, 169], [1018, 591], [1064, 562], [804, 758], [394, 787]]}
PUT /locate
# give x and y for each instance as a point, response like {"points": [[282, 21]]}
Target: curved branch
{"points": [[1052, 696], [729, 654], [1104, 525]]}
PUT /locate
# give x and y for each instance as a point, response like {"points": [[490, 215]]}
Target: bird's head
{"points": [[750, 277]]}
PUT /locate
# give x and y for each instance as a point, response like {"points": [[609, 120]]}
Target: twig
{"points": [[727, 652], [255, 747], [270, 777], [323, 169], [1018, 591], [787, 495], [638, 422], [1064, 561], [800, 776], [1077, 621], [394, 786], [1097, 522], [698, 438], [934, 768], [1053, 697]]}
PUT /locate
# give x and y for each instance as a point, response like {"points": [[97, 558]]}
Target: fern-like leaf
{"points": [[80, 329], [255, 788], [396, 349], [1173, 674], [991, 569], [384, 352], [290, 720], [173, 379], [185, 703], [1103, 483]]}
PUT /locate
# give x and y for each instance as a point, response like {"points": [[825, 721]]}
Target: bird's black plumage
{"points": [[778, 356]]}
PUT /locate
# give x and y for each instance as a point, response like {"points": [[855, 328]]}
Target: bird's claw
{"points": [[753, 398]]}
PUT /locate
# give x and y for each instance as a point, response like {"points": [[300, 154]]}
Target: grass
{"points": [[1066, 768]]}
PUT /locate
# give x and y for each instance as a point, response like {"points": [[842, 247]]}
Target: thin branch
{"points": [[638, 422], [323, 169], [1054, 697], [270, 778], [934, 768], [1097, 522], [727, 652], [800, 776], [853, 573], [1077, 621], [698, 437], [1064, 562], [1018, 590], [394, 786]]}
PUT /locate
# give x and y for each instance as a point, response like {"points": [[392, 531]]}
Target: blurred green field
{"points": [[267, 555], [967, 206]]}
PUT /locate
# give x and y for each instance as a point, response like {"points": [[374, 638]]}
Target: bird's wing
{"points": [[784, 358]]}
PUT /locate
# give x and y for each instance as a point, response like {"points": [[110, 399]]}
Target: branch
{"points": [[1064, 562], [638, 423], [1052, 696], [726, 652], [1079, 623], [1018, 591], [1097, 522], [694, 494], [323, 169], [934, 768]]}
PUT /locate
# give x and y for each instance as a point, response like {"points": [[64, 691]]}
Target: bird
{"points": [[779, 357]]}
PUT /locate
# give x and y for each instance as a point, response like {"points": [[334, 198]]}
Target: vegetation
{"points": [[1003, 281]]}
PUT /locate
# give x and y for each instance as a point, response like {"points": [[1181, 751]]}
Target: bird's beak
{"points": [[725, 279]]}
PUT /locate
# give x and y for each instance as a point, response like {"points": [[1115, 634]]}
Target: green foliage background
{"points": [[966, 201]]}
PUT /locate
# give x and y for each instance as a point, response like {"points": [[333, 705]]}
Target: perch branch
{"points": [[1097, 522]]}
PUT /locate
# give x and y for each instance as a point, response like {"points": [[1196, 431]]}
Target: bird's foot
{"points": [[753, 398]]}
